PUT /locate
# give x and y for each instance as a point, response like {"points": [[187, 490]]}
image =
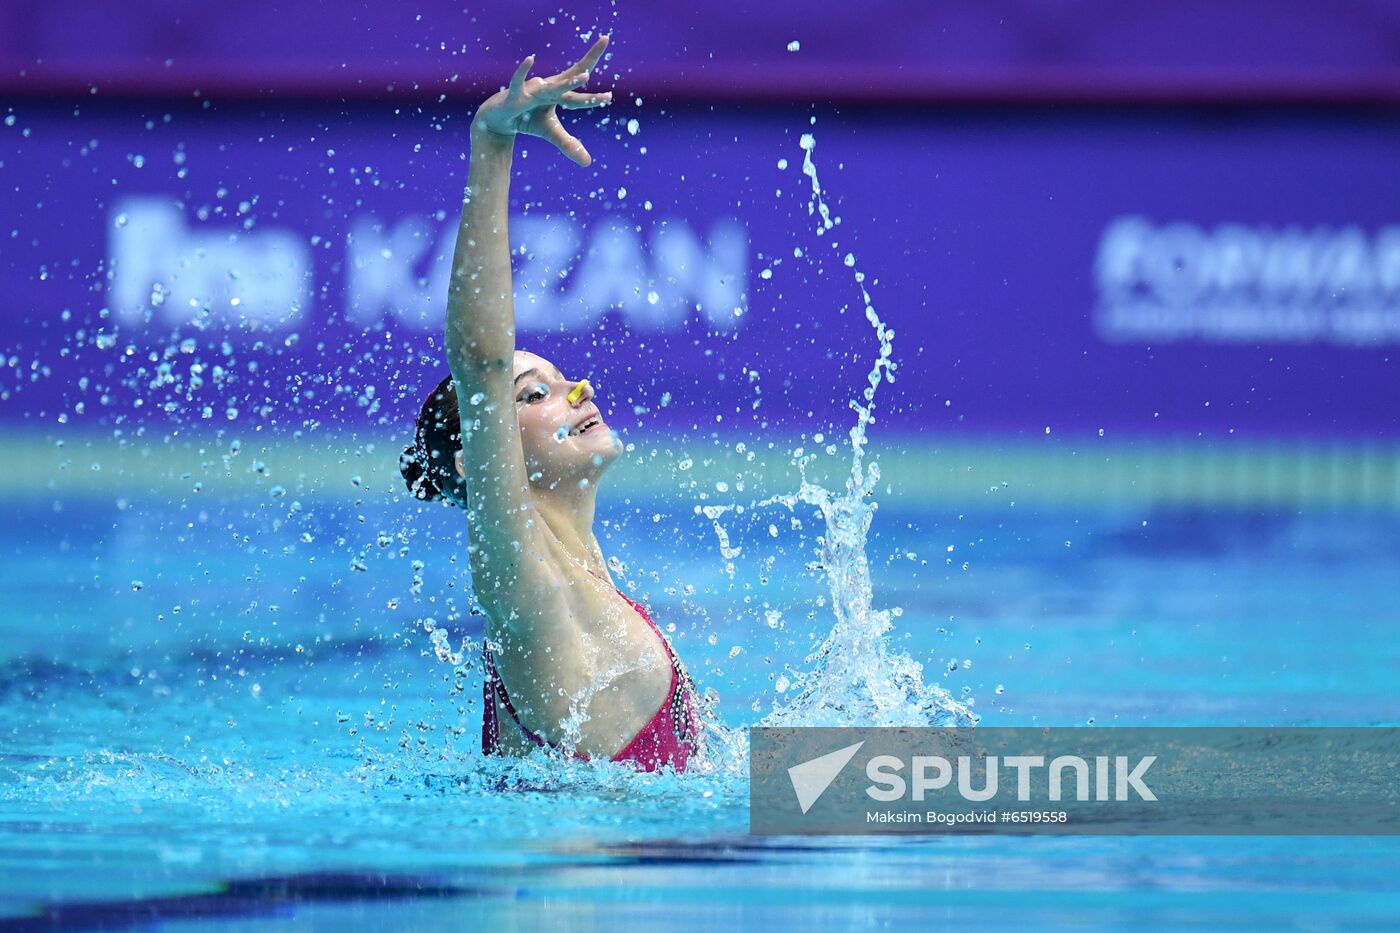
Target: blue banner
{"points": [[1076, 273]]}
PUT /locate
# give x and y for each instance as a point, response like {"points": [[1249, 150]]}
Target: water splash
{"points": [[855, 677]]}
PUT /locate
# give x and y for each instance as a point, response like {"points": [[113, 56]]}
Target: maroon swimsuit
{"points": [[670, 737]]}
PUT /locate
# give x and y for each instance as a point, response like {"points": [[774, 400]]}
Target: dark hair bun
{"points": [[415, 475]]}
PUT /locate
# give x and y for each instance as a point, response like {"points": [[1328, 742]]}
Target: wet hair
{"points": [[429, 464]]}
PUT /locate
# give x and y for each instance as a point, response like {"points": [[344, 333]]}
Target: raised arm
{"points": [[480, 331]]}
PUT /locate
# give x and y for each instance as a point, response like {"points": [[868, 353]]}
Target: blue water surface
{"points": [[217, 711]]}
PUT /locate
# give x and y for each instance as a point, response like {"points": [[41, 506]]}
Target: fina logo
{"points": [[1247, 284], [161, 270], [566, 278]]}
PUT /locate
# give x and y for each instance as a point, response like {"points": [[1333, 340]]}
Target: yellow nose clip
{"points": [[576, 395]]}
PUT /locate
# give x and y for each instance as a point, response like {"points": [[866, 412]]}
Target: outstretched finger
{"points": [[561, 84], [589, 59], [576, 101], [568, 144], [517, 80]]}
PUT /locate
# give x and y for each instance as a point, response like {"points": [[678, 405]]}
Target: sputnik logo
{"points": [[811, 778]]}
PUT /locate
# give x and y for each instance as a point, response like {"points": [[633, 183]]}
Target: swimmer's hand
{"points": [[528, 105]]}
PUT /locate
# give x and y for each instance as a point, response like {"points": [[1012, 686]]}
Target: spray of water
{"points": [[855, 676]]}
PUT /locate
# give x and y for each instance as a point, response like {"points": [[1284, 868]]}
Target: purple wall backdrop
{"points": [[1156, 274], [997, 49]]}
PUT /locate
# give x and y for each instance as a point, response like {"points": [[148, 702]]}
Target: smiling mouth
{"points": [[589, 425]]}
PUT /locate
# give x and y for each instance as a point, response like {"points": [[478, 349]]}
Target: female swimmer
{"points": [[569, 658]]}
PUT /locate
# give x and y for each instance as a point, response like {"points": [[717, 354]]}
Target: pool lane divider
{"points": [[916, 471]]}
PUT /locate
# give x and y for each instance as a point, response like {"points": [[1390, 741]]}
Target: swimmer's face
{"points": [[564, 442]]}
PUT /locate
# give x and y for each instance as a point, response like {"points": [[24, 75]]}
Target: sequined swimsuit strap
{"points": [[681, 698], [496, 693]]}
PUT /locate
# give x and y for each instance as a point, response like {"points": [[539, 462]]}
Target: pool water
{"points": [[218, 710]]}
